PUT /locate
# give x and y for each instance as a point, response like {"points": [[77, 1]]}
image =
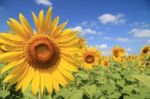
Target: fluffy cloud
{"points": [[113, 19], [140, 32], [148, 41], [43, 2], [84, 31], [121, 39], [101, 46], [129, 49]]}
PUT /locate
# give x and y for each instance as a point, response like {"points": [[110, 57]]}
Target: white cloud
{"points": [[106, 52], [148, 41], [84, 31], [101, 46], [43, 2], [77, 28], [140, 32], [121, 39], [113, 19], [90, 24], [129, 49]]}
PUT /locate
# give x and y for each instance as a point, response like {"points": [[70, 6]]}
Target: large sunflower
{"points": [[43, 57], [89, 57], [118, 53]]}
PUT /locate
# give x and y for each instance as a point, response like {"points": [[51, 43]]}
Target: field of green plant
{"points": [[127, 80]]}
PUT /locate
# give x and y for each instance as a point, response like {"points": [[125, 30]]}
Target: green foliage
{"points": [[119, 81]]}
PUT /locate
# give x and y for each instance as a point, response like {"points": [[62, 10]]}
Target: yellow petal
{"points": [[69, 58], [18, 86], [59, 28], [18, 28], [59, 78], [36, 22], [69, 50], [19, 73], [67, 37], [11, 65], [66, 74], [15, 71], [27, 79], [12, 48], [4, 57], [73, 43], [55, 85], [54, 25], [35, 82], [48, 17], [25, 24], [42, 81], [41, 22], [9, 42], [11, 37], [67, 65], [48, 81]]}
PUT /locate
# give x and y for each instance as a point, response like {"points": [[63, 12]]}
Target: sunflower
{"points": [[43, 57], [105, 62], [118, 53], [132, 57], [89, 57], [145, 50]]}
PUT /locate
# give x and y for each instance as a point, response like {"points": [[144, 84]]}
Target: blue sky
{"points": [[104, 23]]}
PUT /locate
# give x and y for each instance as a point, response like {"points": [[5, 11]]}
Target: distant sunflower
{"points": [[90, 57], [105, 62], [145, 50], [44, 57], [132, 57], [118, 53]]}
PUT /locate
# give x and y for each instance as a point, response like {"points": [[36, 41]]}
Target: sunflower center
{"points": [[116, 53], [89, 59], [42, 51], [145, 50], [106, 63]]}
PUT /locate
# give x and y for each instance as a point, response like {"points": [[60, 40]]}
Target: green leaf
{"points": [[4, 94], [115, 95], [77, 95], [145, 79], [83, 75], [128, 89], [49, 97], [65, 93], [121, 83], [116, 76]]}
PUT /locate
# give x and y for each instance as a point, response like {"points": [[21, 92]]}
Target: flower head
{"points": [[44, 58], [118, 53], [89, 57], [105, 62], [145, 50]]}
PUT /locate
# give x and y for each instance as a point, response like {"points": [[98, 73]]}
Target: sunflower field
{"points": [[54, 62]]}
